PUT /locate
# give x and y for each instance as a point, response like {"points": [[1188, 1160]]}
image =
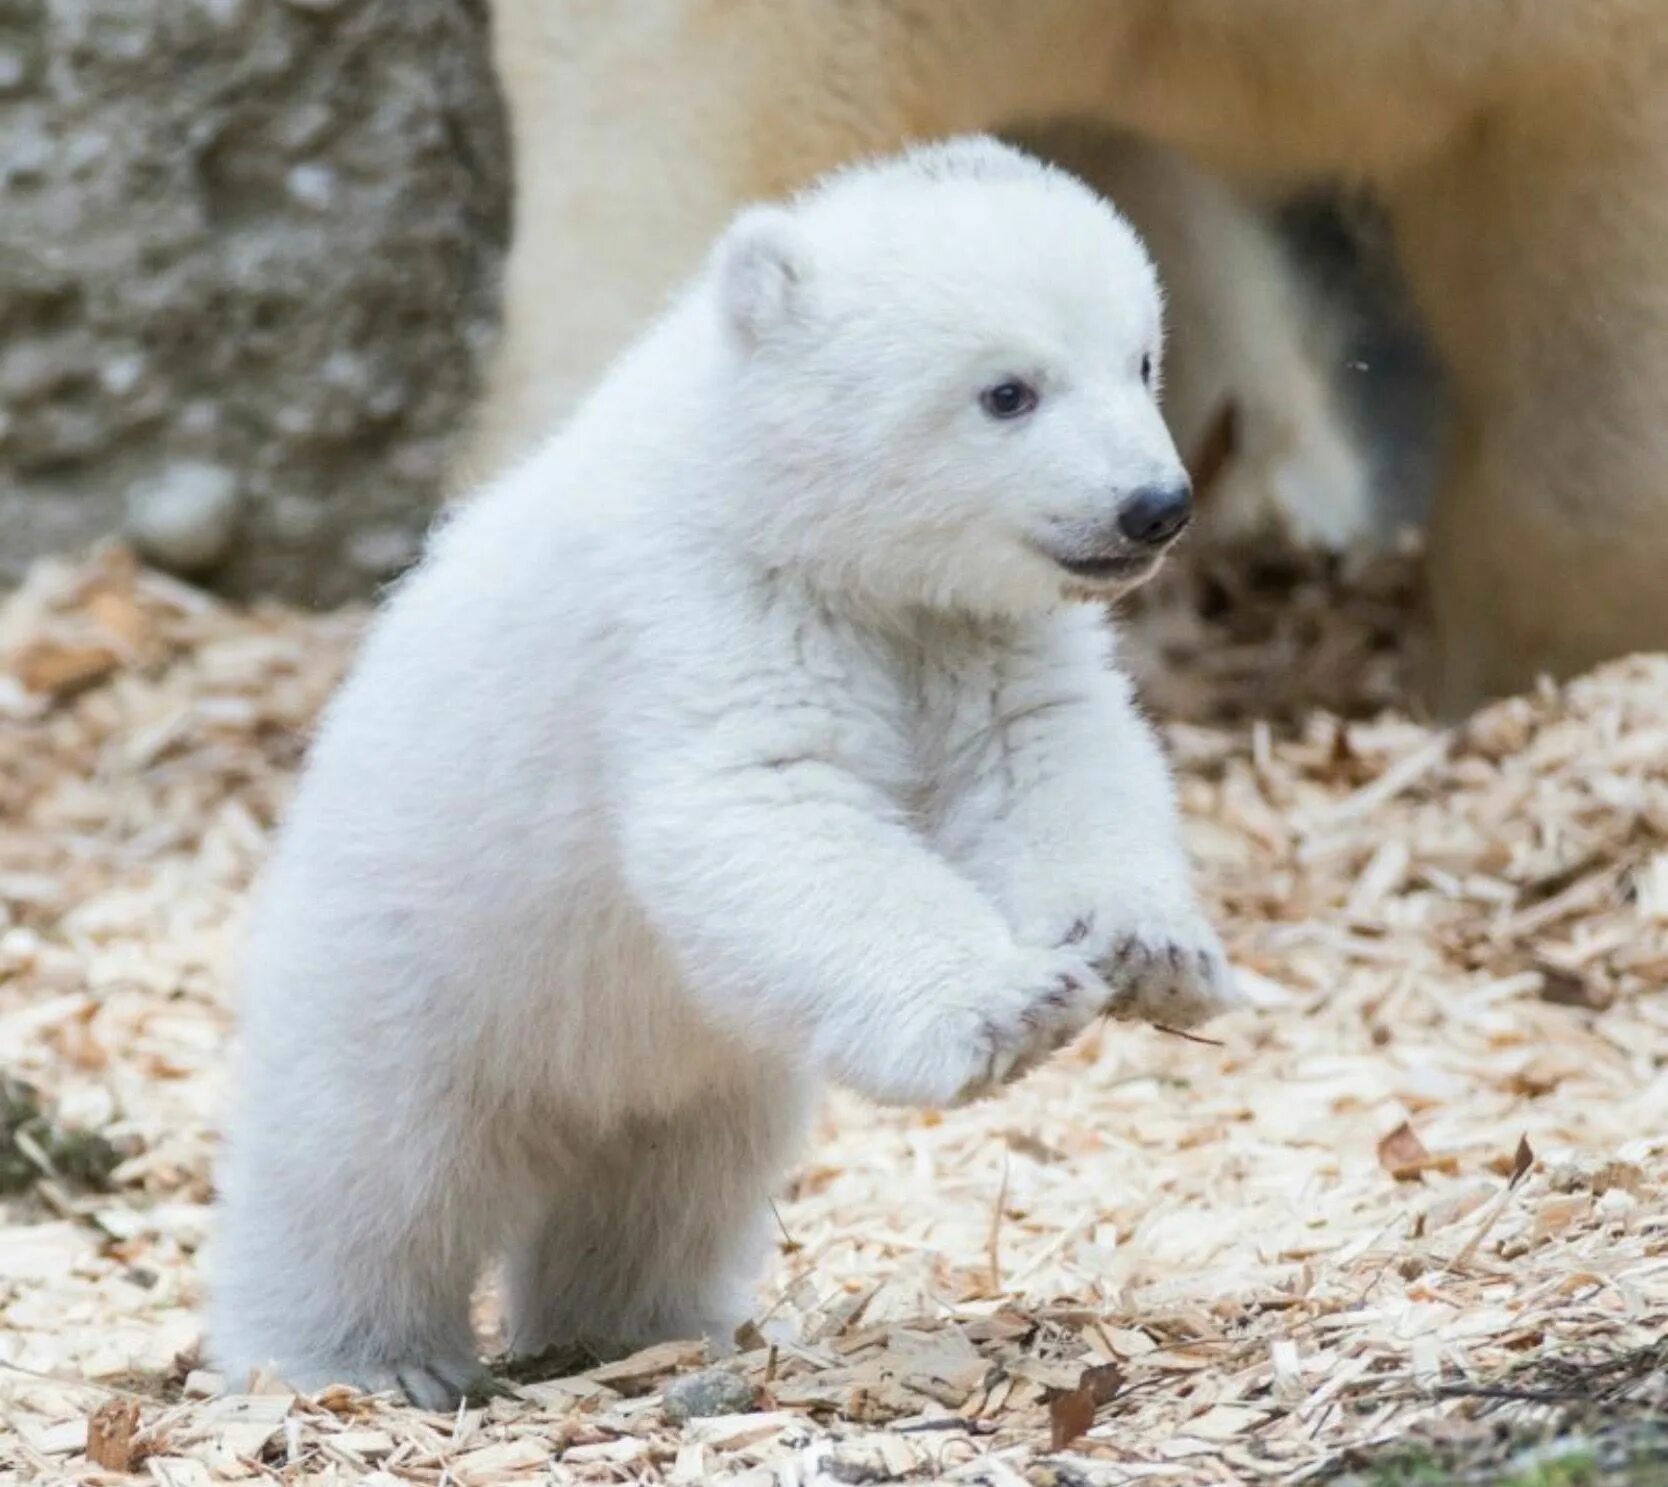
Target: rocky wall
{"points": [[248, 252]]}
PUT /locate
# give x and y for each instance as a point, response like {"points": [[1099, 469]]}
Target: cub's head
{"points": [[946, 368]]}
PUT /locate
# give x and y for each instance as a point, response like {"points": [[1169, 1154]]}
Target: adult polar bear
{"points": [[1521, 151]]}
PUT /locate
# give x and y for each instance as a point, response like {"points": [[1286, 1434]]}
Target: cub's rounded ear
{"points": [[763, 263]]}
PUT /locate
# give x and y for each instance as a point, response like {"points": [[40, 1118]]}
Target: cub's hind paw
{"points": [[437, 1384]]}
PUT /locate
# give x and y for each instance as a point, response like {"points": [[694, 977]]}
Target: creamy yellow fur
{"points": [[1521, 147]]}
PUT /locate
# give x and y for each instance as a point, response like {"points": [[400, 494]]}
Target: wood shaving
{"points": [[1432, 1158]]}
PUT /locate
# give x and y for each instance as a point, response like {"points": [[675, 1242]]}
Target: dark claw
{"points": [[1079, 930]]}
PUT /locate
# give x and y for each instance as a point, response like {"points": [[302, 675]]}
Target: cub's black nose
{"points": [[1155, 513]]}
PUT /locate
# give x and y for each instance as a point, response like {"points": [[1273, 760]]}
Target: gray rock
{"points": [[712, 1391], [185, 520], [262, 237]]}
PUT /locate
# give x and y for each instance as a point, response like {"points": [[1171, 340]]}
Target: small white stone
{"points": [[224, 13], [121, 374], [294, 420], [83, 150], [297, 518], [1617, 1203], [383, 552], [25, 155], [312, 185], [185, 519], [343, 369], [199, 416]]}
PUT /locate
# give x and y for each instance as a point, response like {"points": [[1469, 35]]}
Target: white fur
{"points": [[744, 736]]}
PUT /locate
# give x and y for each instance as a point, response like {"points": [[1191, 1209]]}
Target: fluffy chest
{"points": [[920, 714], [963, 690]]}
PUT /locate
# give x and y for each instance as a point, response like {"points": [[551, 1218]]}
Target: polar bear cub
{"points": [[759, 729]]}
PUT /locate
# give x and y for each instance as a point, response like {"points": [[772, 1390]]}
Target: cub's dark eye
{"points": [[1147, 369], [1010, 399]]}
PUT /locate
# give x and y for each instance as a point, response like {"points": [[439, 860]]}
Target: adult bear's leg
{"points": [[638, 130], [1536, 249]]}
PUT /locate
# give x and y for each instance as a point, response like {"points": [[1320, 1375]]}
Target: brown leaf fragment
{"points": [[1522, 1160], [58, 670], [119, 617], [1627, 1176], [1072, 1412], [1402, 1154], [1565, 988], [110, 1432], [1069, 1416], [1103, 1380]]}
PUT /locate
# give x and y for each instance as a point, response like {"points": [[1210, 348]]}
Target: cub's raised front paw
{"points": [[1171, 972], [1040, 1001], [977, 1034]]}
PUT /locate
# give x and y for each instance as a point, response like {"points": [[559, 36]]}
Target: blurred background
{"points": [[249, 260]]}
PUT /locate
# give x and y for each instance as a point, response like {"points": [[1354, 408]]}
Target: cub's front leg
{"points": [[806, 914], [1061, 807], [807, 919]]}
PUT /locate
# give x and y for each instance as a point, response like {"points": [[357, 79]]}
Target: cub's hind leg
{"points": [[659, 1228]]}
